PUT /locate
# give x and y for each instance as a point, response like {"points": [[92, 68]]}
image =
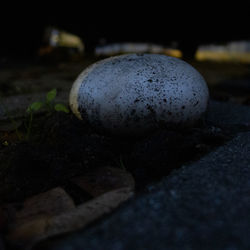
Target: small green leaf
{"points": [[61, 107], [34, 106], [51, 95]]}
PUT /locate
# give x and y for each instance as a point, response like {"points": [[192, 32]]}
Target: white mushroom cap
{"points": [[135, 93]]}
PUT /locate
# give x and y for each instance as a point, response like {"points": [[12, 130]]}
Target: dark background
{"points": [[188, 24]]}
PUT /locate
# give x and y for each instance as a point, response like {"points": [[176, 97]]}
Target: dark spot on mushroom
{"points": [[165, 100], [150, 108], [183, 107], [136, 100], [150, 80], [196, 103]]}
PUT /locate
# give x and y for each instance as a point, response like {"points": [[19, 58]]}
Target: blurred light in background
{"points": [[235, 51], [124, 48], [55, 38]]}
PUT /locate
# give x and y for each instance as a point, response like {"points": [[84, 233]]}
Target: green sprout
{"points": [[48, 104]]}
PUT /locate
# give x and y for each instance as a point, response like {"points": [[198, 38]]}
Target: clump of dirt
{"points": [[62, 147]]}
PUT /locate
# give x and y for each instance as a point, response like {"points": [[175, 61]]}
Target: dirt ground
{"points": [[60, 146]]}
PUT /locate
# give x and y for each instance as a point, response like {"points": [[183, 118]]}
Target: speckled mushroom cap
{"points": [[132, 94]]}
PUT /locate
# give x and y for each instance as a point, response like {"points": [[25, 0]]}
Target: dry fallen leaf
{"points": [[34, 229]]}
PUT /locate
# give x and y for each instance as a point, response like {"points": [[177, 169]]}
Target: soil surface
{"points": [[62, 147]]}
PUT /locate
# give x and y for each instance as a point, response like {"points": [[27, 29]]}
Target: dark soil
{"points": [[61, 147]]}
